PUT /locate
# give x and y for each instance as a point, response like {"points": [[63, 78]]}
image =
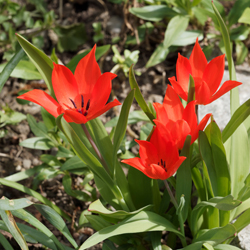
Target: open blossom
{"points": [[81, 96], [159, 157], [176, 120], [207, 76]]}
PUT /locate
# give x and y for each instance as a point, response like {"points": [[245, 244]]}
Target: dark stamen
{"points": [[82, 101], [73, 103], [88, 104], [165, 165], [85, 113], [161, 162], [80, 111]]}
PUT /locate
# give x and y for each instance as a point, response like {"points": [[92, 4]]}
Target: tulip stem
{"points": [[183, 240], [95, 147]]}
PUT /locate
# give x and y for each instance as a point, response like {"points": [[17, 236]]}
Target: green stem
{"points": [[183, 240], [95, 148]]}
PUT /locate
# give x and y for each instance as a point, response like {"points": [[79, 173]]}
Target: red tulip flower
{"points": [[207, 76], [174, 119], [81, 96], [159, 158]]}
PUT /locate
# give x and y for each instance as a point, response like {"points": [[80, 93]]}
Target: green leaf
{"points": [[56, 221], [10, 117], [138, 95], [70, 37], [37, 143], [133, 117], [236, 120], [35, 195], [38, 128], [24, 70], [184, 179], [241, 52], [9, 67], [67, 183], [98, 208], [188, 37], [37, 236], [158, 56], [73, 163], [245, 17], [143, 222], [175, 28], [5, 243], [226, 247], [42, 62], [153, 13], [239, 33], [49, 120], [100, 51], [222, 203], [121, 127], [237, 10], [27, 217], [86, 156], [6, 204], [14, 230]]}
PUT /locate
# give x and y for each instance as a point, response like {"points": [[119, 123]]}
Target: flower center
{"points": [[81, 110], [162, 164]]}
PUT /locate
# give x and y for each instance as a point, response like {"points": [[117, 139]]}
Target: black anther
{"points": [[85, 113], [88, 104], [82, 101], [73, 103]]}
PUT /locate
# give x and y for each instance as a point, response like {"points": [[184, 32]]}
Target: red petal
{"points": [[197, 61], [156, 172], [103, 109], [213, 73], [148, 152], [190, 116], [101, 91], [227, 86], [64, 85], [201, 126], [202, 93], [173, 168], [87, 73], [75, 116], [43, 99], [160, 113], [183, 71], [173, 105], [183, 93]]}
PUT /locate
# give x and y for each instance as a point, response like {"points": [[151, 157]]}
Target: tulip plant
{"points": [[190, 182]]}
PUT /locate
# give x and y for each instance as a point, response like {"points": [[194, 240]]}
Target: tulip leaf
{"points": [[86, 156], [37, 143], [153, 13], [42, 62], [236, 120], [98, 208], [142, 222], [5, 243], [6, 204], [188, 37], [103, 142], [10, 223], [226, 247], [100, 51], [184, 179], [133, 117], [9, 67], [27, 217], [236, 11], [222, 203], [138, 95], [245, 18], [33, 193], [121, 127], [73, 163], [242, 221], [54, 218]]}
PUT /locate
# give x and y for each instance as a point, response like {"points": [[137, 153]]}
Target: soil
{"points": [[152, 81]]}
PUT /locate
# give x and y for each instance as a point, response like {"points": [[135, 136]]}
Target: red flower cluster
{"points": [[159, 158]]}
